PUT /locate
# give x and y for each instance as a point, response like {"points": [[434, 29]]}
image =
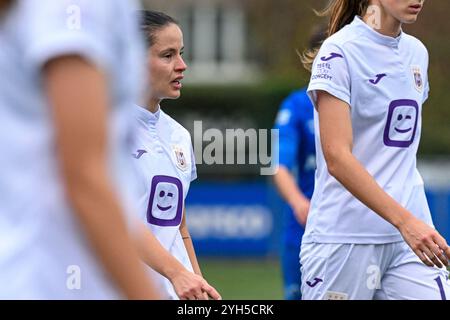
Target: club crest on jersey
{"points": [[179, 156], [418, 81]]}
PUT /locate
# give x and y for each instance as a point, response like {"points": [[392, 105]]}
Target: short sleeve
{"points": [[66, 27], [330, 73]]}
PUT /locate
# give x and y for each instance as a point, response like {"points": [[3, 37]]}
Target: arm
{"points": [[292, 194], [336, 138], [187, 285], [184, 231], [77, 94], [189, 245]]}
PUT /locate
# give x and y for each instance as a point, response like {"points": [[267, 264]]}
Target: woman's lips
{"points": [[415, 8], [177, 84]]}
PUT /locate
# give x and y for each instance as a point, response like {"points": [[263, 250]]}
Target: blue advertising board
{"points": [[244, 219], [232, 219]]}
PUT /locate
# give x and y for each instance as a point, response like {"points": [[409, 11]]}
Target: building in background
{"points": [[216, 39]]}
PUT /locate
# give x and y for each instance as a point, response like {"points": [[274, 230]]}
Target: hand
{"points": [[301, 209], [426, 242], [190, 286]]}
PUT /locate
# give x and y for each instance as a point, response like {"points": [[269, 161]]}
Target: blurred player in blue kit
{"points": [[295, 176]]}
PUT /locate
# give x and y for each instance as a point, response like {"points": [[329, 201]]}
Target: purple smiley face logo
{"points": [[401, 125], [165, 204]]}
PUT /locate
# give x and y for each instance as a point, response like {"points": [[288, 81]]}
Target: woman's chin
{"points": [[174, 95], [409, 19]]}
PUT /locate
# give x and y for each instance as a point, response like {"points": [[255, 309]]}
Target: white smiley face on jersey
{"points": [[165, 201], [401, 123], [165, 204], [403, 120]]}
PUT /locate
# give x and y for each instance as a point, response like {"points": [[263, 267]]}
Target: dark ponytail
{"points": [[341, 13]]}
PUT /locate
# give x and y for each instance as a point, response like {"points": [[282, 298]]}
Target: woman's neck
{"points": [[153, 105], [387, 24]]}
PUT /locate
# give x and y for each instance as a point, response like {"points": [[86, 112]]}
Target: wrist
{"points": [[171, 271], [400, 219]]}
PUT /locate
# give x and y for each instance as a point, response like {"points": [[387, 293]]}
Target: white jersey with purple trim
{"points": [[166, 166], [44, 253], [384, 81]]}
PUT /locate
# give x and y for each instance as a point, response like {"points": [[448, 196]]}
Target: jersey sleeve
{"points": [[289, 137], [68, 27], [330, 73]]}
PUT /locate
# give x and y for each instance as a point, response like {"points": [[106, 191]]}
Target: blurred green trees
{"points": [[287, 24], [276, 29]]}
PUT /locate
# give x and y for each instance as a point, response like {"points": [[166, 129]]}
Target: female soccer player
{"points": [[166, 165], [66, 86], [369, 233]]}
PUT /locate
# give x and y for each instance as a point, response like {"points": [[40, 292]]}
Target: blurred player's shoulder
{"points": [[88, 4], [78, 15]]}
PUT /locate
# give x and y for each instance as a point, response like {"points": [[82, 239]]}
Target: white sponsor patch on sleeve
{"points": [[332, 295]]}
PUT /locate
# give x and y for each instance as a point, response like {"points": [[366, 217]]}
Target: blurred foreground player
{"points": [[68, 78]]}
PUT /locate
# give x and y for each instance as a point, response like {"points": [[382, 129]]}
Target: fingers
{"points": [[190, 294], [200, 295], [194, 295], [431, 257], [443, 248], [427, 243], [201, 291], [211, 291], [187, 296], [439, 254], [194, 287], [433, 250], [424, 258]]}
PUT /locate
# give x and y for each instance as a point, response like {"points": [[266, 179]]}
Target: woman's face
{"points": [[405, 11], [166, 63]]}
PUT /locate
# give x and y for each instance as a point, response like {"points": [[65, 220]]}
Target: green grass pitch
{"points": [[238, 279]]}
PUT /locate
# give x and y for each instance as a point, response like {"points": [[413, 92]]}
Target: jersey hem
{"points": [[354, 239]]}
